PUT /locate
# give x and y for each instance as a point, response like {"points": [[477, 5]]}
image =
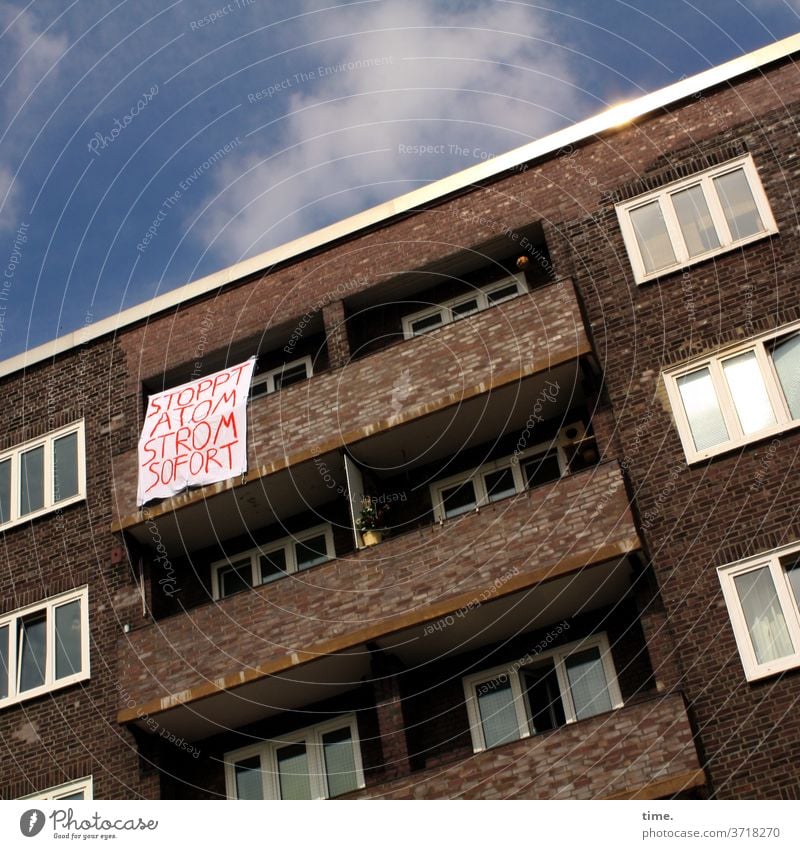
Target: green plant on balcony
{"points": [[370, 522]]}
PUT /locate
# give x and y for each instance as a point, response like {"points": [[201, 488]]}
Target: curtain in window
{"points": [[786, 356], [749, 392], [695, 220], [738, 205], [498, 715], [587, 683], [340, 764], [293, 772], [248, 779], [702, 409], [68, 639], [65, 467], [31, 638], [5, 491], [651, 234], [763, 615], [4, 662]]}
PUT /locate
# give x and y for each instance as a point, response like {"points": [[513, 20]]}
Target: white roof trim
{"points": [[618, 115]]}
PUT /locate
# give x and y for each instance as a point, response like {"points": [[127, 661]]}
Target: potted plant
{"points": [[370, 521]]}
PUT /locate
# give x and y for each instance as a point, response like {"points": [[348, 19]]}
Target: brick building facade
{"points": [[588, 579]]}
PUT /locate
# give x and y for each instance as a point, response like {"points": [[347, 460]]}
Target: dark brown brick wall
{"points": [[71, 733], [697, 518]]}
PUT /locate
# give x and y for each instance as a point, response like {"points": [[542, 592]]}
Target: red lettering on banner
{"points": [[195, 434]]}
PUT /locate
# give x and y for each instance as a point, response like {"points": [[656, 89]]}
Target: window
{"points": [[73, 791], [277, 378], [696, 218], [556, 688], [737, 396], [319, 762], [763, 599], [44, 647], [502, 478], [479, 299], [42, 475], [272, 561]]}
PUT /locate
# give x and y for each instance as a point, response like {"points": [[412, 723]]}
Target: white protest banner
{"points": [[195, 434]]}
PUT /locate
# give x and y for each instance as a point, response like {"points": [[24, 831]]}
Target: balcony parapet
{"points": [[513, 340], [644, 750], [520, 542]]}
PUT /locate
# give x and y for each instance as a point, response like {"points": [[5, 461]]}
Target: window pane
{"points": [[340, 762], [459, 499], [273, 565], [290, 375], [695, 220], [260, 388], [31, 639], [65, 467], [31, 480], [293, 772], [499, 484], [652, 236], [587, 683], [465, 307], [786, 356], [793, 573], [502, 294], [702, 409], [763, 615], [545, 708], [71, 797], [234, 578], [738, 204], [5, 491], [68, 639], [497, 712], [426, 323], [311, 551], [749, 392], [248, 779], [4, 662], [542, 469]]}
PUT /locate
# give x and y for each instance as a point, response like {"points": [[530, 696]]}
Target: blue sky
{"points": [[145, 144]]}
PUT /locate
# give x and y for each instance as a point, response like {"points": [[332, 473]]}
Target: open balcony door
{"points": [[355, 491]]}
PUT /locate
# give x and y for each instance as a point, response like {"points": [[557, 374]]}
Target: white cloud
{"points": [[32, 53], [480, 76], [28, 55], [8, 200]]}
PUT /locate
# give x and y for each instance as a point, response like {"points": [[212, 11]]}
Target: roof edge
{"points": [[615, 116]]}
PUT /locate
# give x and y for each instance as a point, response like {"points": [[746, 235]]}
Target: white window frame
{"points": [[445, 308], [286, 544], [51, 683], [515, 462], [754, 670], [511, 673], [703, 179], [268, 377], [312, 737], [53, 794], [46, 441], [736, 436]]}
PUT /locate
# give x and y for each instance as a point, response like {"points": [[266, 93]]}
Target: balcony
{"points": [[226, 662], [642, 751], [411, 380]]}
